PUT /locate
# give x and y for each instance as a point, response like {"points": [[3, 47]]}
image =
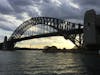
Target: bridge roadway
{"points": [[74, 31], [60, 33]]}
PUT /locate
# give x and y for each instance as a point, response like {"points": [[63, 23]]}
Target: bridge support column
{"points": [[10, 45], [7, 45], [91, 38], [4, 45]]}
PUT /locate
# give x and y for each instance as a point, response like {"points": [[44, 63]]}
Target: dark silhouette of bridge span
{"points": [[59, 27]]}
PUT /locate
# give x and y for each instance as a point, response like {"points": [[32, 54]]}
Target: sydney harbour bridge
{"points": [[54, 27]]}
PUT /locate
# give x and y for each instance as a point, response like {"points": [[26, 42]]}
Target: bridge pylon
{"points": [[4, 45], [7, 45], [91, 38]]}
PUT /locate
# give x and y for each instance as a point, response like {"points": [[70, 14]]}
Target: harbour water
{"points": [[24, 62]]}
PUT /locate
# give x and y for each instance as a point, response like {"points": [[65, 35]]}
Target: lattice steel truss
{"points": [[67, 29]]}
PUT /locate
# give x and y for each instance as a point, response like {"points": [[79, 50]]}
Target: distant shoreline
{"points": [[82, 51]]}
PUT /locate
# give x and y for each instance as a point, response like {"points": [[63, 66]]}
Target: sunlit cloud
{"points": [[35, 10], [56, 2], [74, 5], [25, 16], [11, 19]]}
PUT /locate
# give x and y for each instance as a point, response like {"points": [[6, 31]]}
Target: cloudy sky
{"points": [[14, 12]]}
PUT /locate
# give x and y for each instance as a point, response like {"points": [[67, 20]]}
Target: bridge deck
{"points": [[75, 31]]}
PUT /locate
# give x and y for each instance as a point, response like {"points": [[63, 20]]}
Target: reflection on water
{"points": [[38, 63]]}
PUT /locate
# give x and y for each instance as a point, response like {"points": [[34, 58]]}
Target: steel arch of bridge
{"points": [[58, 24]]}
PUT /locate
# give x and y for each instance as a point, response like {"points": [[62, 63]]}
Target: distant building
{"points": [[51, 48]]}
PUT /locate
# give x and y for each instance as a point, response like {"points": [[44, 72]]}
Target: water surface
{"points": [[38, 63]]}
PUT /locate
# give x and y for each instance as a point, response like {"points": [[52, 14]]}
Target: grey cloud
{"points": [[47, 8], [88, 4], [5, 7], [63, 11], [6, 25], [20, 2], [5, 10]]}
